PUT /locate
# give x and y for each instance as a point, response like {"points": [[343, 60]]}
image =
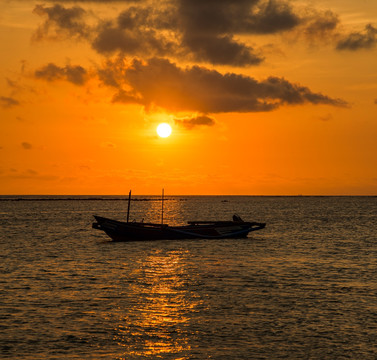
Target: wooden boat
{"points": [[138, 231], [123, 231]]}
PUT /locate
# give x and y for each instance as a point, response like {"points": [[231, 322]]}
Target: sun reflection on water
{"points": [[157, 321], [174, 211]]}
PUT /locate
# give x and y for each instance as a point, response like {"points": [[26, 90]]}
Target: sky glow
{"points": [[265, 97]]}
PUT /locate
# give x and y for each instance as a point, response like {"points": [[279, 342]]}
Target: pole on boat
{"points": [[129, 203], [162, 212]]}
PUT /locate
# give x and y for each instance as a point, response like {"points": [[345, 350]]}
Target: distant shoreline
{"points": [[146, 197]]}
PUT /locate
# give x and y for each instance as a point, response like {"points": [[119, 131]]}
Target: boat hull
{"points": [[134, 231]]}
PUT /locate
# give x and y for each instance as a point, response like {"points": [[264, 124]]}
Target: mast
{"points": [[129, 203], [162, 210]]}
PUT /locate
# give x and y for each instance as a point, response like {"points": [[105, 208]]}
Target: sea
{"points": [[305, 287]]}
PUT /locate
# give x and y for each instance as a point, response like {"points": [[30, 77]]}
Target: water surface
{"points": [[303, 288]]}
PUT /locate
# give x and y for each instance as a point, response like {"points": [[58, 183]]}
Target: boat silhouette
{"points": [[138, 231]]}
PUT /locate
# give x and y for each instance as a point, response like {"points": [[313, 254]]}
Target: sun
{"points": [[163, 130]]}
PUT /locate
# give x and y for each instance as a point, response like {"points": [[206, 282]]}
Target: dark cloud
{"points": [[27, 146], [218, 17], [191, 122], [96, 1], [375, 101], [208, 27], [139, 30], [194, 30], [113, 72], [12, 84], [141, 40], [288, 93], [204, 31], [8, 102], [61, 21], [320, 24], [327, 117], [223, 50], [75, 74], [359, 40], [162, 83], [51, 72], [127, 97], [270, 17]]}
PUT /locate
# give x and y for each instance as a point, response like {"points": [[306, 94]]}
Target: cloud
{"points": [[320, 24], [242, 16], [26, 146], [327, 117], [204, 31], [8, 102], [221, 50], [209, 28], [194, 31], [96, 1], [130, 39], [191, 30], [12, 84], [270, 17], [359, 40], [60, 21], [127, 97], [162, 83], [51, 72], [29, 174], [112, 72], [191, 122]]}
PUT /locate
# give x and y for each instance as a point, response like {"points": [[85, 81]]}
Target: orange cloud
{"points": [[26, 146], [8, 102], [162, 83], [200, 31], [60, 21], [74, 74], [191, 122], [359, 40], [159, 82]]}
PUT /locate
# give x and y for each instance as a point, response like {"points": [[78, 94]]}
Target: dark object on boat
{"points": [[133, 231], [123, 231]]}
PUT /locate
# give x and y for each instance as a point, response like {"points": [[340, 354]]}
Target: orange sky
{"points": [[264, 97]]}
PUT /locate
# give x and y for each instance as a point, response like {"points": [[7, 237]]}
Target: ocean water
{"points": [[305, 287]]}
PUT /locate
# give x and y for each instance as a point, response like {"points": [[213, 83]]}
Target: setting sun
{"points": [[189, 104], [163, 130]]}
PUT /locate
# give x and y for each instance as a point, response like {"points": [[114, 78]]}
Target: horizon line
{"points": [[208, 195]]}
